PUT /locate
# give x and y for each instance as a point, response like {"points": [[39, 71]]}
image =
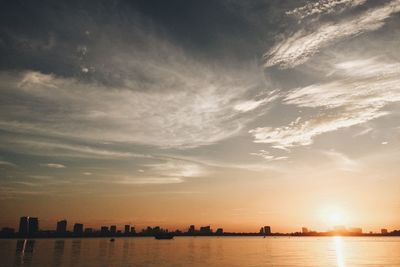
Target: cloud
{"points": [[62, 148], [303, 44], [7, 163], [267, 155], [187, 111], [323, 7], [149, 180], [41, 177], [53, 165], [360, 92], [250, 105], [343, 161], [176, 168]]}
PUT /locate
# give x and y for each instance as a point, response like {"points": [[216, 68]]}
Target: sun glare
{"points": [[334, 217]]}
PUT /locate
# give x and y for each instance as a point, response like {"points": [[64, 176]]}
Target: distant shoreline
{"points": [[183, 235]]}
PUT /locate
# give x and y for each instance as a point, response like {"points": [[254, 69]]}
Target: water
{"points": [[203, 251]]}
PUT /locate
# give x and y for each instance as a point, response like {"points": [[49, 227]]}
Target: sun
{"points": [[334, 216]]}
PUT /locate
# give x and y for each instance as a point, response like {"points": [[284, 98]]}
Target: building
{"points": [[113, 229], [192, 229], [7, 231], [219, 231], [384, 231], [205, 230], [267, 230], [133, 231], [78, 228], [33, 223], [304, 230], [355, 230], [23, 225], [127, 228], [62, 226], [104, 229], [88, 230]]}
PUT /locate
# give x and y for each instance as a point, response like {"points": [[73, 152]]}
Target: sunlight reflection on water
{"points": [[203, 251]]}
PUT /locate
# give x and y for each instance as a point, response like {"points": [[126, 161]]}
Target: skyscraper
{"points": [[267, 230], [127, 227], [33, 223], [113, 229], [78, 228], [192, 229], [62, 226], [23, 225]]}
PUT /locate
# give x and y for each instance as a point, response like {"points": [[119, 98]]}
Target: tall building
{"points": [[62, 226], [304, 230], [205, 230], [127, 227], [104, 229], [133, 231], [267, 230], [384, 231], [33, 223], [78, 228], [192, 229], [113, 229], [23, 225]]}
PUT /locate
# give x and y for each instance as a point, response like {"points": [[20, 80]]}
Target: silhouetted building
{"points": [[267, 230], [127, 227], [384, 231], [219, 231], [104, 229], [113, 229], [33, 223], [356, 230], [62, 226], [304, 230], [7, 231], [23, 225], [205, 230], [78, 228], [192, 229], [133, 231], [88, 230]]}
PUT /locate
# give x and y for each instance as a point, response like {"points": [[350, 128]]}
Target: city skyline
{"points": [[29, 227], [225, 112]]}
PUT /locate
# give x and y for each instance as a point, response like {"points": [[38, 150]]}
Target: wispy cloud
{"points": [[303, 44], [267, 155], [53, 165], [343, 161], [63, 149], [195, 110], [359, 94], [7, 163], [149, 180], [250, 105], [323, 7], [176, 168]]}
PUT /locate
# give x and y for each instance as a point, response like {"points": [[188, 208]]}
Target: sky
{"points": [[228, 113]]}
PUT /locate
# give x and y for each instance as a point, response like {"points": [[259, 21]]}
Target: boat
{"points": [[164, 236], [112, 240]]}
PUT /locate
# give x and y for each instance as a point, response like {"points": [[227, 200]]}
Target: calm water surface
{"points": [[203, 251]]}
